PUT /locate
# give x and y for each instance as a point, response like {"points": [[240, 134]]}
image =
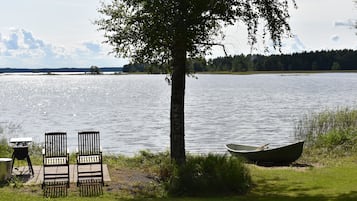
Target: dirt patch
{"points": [[132, 181], [125, 182], [293, 166]]}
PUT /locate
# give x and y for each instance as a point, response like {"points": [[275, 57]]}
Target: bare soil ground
{"points": [[131, 181], [124, 182]]}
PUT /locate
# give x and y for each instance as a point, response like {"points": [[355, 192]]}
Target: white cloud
{"points": [[344, 23], [11, 43], [93, 47], [31, 41], [295, 45], [20, 48], [288, 46], [335, 38]]}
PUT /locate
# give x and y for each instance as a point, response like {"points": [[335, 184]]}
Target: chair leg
{"points": [[102, 173], [44, 177], [12, 162], [77, 175], [68, 176]]}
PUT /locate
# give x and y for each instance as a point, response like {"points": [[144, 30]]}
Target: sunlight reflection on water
{"points": [[132, 111]]}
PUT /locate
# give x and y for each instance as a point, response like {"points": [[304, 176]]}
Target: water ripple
{"points": [[132, 112]]}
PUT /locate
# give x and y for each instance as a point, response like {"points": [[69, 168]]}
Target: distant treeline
{"points": [[58, 70], [305, 61]]}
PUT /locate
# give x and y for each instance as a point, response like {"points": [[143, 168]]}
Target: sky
{"points": [[61, 33]]}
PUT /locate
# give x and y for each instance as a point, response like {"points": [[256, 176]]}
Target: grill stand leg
{"points": [[29, 164]]}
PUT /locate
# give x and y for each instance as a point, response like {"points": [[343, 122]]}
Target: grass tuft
{"points": [[209, 175]]}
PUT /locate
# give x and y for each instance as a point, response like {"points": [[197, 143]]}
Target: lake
{"points": [[132, 111]]}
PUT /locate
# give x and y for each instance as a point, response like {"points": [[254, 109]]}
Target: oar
{"points": [[262, 147]]}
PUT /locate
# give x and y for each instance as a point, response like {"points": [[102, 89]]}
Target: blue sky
{"points": [[60, 33]]}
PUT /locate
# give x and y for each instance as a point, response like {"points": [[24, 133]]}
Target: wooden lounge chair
{"points": [[89, 159], [55, 155]]}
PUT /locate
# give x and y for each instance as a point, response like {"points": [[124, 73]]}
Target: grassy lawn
{"points": [[336, 180]]}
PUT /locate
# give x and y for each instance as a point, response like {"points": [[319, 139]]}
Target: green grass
{"points": [[319, 183], [335, 181], [211, 174]]}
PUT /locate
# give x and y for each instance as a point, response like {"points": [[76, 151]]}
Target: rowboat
{"points": [[280, 155]]}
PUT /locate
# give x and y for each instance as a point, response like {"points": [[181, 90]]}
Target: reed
{"points": [[331, 131]]}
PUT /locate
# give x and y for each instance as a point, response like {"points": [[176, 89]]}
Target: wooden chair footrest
{"points": [[55, 189], [55, 183], [88, 172], [89, 181]]}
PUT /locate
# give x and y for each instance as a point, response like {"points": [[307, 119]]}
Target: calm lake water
{"points": [[132, 111]]}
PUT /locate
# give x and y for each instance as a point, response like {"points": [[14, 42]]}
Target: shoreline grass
{"points": [[329, 134]]}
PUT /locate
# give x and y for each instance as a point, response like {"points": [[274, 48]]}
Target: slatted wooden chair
{"points": [[89, 159], [55, 155]]}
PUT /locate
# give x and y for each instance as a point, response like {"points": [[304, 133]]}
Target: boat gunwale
{"points": [[257, 148]]}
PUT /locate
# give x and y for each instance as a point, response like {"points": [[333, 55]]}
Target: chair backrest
{"points": [[55, 144], [88, 143]]}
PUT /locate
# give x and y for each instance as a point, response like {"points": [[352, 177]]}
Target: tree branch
{"points": [[215, 44]]}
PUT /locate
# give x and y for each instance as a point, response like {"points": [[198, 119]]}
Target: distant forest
{"points": [[305, 61]]}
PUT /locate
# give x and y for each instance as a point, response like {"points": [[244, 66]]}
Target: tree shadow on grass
{"points": [[296, 165], [275, 189], [351, 196]]}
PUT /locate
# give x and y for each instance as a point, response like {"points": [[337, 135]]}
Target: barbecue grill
{"points": [[21, 151]]}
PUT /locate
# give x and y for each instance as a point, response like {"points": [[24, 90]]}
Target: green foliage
{"points": [[331, 132], [209, 175], [335, 66], [149, 68], [201, 175], [149, 31], [15, 182], [158, 164], [307, 61], [5, 149], [95, 70], [335, 138]]}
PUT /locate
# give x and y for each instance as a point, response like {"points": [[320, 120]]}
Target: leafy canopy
{"points": [[146, 30]]}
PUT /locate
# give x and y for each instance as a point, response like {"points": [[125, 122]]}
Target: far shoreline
{"points": [[277, 72], [193, 73]]}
